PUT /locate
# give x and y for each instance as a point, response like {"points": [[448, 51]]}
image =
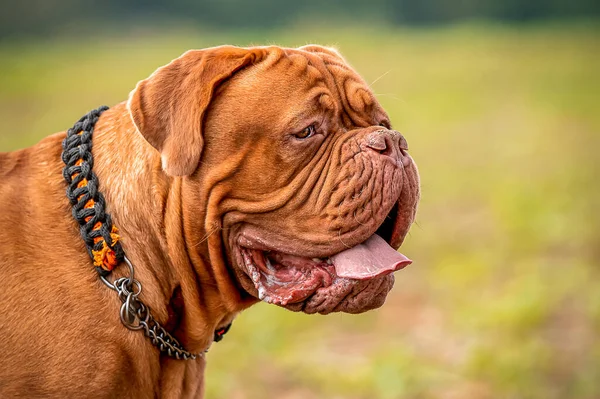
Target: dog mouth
{"points": [[286, 279]]}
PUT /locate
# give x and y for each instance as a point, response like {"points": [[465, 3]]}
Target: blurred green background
{"points": [[500, 104]]}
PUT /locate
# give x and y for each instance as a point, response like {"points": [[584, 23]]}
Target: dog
{"points": [[233, 175]]}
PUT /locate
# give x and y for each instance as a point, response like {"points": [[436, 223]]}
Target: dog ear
{"points": [[168, 108]]}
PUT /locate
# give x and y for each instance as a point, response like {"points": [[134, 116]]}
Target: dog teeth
{"points": [[323, 260], [255, 276]]}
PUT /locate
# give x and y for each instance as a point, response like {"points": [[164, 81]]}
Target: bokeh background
{"points": [[499, 101]]}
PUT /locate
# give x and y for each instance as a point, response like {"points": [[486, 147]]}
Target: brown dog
{"points": [[233, 174]]}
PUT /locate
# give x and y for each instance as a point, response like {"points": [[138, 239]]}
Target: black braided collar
{"points": [[103, 241], [95, 224]]}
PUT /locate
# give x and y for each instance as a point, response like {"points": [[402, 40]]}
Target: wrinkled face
{"points": [[316, 191]]}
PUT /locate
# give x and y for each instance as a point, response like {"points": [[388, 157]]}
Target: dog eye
{"points": [[307, 132]]}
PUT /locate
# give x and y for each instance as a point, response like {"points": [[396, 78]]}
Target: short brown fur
{"points": [[60, 331]]}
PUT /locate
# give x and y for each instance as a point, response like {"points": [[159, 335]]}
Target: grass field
{"points": [[503, 300]]}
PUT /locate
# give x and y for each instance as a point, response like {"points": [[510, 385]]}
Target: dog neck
{"points": [[178, 260]]}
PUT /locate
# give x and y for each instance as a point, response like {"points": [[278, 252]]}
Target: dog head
{"points": [[296, 179]]}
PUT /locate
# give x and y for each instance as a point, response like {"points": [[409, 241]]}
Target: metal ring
{"points": [[127, 308], [107, 283], [143, 314], [122, 284], [131, 275], [124, 312], [139, 288]]}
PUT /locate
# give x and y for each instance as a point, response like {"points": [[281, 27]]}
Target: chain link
{"points": [[135, 315]]}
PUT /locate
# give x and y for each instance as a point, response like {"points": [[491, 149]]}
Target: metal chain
{"points": [[135, 315]]}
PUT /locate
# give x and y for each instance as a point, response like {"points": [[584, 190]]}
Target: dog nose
{"points": [[390, 143]]}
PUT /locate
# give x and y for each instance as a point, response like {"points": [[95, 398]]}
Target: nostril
{"points": [[381, 143], [403, 144], [377, 142]]}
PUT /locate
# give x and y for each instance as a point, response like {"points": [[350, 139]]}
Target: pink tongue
{"points": [[372, 258]]}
